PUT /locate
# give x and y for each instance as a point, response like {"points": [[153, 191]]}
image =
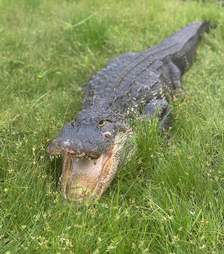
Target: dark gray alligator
{"points": [[141, 82]]}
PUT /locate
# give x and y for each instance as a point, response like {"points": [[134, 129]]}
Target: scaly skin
{"points": [[138, 83]]}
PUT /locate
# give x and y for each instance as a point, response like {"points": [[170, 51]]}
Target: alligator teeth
{"points": [[82, 155], [54, 156]]}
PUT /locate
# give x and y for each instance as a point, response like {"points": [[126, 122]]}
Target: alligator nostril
{"points": [[107, 134]]}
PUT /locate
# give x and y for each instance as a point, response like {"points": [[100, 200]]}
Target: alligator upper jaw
{"points": [[56, 148]]}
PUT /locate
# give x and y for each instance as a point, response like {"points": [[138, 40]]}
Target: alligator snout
{"points": [[61, 146], [82, 141]]}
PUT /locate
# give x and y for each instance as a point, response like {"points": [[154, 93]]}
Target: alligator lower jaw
{"points": [[87, 179]]}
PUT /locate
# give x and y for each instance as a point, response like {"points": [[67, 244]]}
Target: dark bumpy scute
{"points": [[132, 83]]}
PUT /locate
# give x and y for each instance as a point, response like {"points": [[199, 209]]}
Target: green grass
{"points": [[169, 198]]}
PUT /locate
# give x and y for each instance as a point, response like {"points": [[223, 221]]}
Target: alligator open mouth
{"points": [[87, 178]]}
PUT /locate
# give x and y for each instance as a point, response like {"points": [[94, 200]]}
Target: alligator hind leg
{"points": [[159, 108]]}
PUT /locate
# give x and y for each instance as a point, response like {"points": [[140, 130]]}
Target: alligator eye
{"points": [[101, 123]]}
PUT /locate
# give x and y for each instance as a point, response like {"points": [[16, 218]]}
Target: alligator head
{"points": [[89, 147]]}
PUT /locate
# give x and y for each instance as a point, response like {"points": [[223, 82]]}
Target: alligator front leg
{"points": [[175, 75], [159, 108]]}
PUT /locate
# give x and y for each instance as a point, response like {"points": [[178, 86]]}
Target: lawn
{"points": [[169, 197]]}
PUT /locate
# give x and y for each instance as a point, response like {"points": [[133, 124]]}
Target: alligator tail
{"points": [[186, 41]]}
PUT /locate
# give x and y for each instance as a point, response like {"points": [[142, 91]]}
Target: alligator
{"points": [[139, 83]]}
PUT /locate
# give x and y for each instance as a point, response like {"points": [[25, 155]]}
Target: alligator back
{"points": [[134, 74]]}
